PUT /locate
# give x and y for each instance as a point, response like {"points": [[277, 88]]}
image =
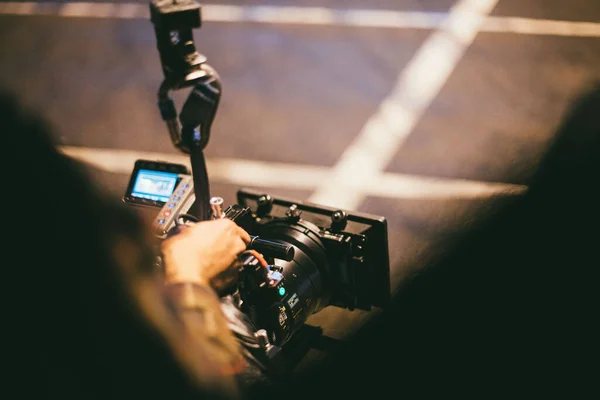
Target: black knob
{"points": [[339, 219], [264, 205]]}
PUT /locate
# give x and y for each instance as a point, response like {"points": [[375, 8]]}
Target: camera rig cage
{"points": [[356, 242]]}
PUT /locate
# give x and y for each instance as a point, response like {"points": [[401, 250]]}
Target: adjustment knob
{"points": [[264, 205], [216, 206], [263, 338], [339, 220]]}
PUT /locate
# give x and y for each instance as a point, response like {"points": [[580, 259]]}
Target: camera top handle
{"points": [[183, 67]]}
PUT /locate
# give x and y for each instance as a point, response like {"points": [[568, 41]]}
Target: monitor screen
{"points": [[154, 185]]}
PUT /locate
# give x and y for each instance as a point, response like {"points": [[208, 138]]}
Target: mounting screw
{"points": [[293, 211]]}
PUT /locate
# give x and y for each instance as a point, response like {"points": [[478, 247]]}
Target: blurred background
{"points": [[425, 112]]}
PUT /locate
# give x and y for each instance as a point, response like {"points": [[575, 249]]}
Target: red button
{"points": [[167, 213]]}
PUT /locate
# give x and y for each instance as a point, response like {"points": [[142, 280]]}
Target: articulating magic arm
{"points": [[192, 130], [183, 67]]}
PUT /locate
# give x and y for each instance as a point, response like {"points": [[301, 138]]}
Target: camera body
{"points": [[338, 258]]}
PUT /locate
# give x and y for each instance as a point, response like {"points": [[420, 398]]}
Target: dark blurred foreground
{"points": [[509, 309]]}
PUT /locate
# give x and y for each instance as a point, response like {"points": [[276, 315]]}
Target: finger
{"points": [[244, 236], [228, 223], [240, 246]]}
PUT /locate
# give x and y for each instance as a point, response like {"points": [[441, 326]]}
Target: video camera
{"points": [[307, 256], [317, 256]]}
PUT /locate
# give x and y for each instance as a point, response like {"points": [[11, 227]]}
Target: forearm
{"points": [[199, 309]]}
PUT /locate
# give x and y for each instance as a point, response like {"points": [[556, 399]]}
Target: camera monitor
{"points": [[152, 182]]}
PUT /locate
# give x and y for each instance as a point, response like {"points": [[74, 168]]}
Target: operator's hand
{"points": [[203, 253]]}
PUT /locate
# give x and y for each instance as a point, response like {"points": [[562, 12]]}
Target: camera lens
{"points": [[304, 290]]}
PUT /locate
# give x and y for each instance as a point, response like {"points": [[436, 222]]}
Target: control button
{"points": [[167, 213], [161, 221], [180, 192], [175, 198], [171, 205], [185, 185]]}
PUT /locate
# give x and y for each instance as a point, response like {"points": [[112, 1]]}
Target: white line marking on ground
{"points": [[297, 176], [324, 16], [530, 26], [307, 16], [417, 85]]}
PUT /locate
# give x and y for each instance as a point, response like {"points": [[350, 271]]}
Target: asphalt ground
{"points": [[300, 94]]}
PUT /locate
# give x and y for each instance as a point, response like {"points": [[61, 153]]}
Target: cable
{"points": [[186, 218]]}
